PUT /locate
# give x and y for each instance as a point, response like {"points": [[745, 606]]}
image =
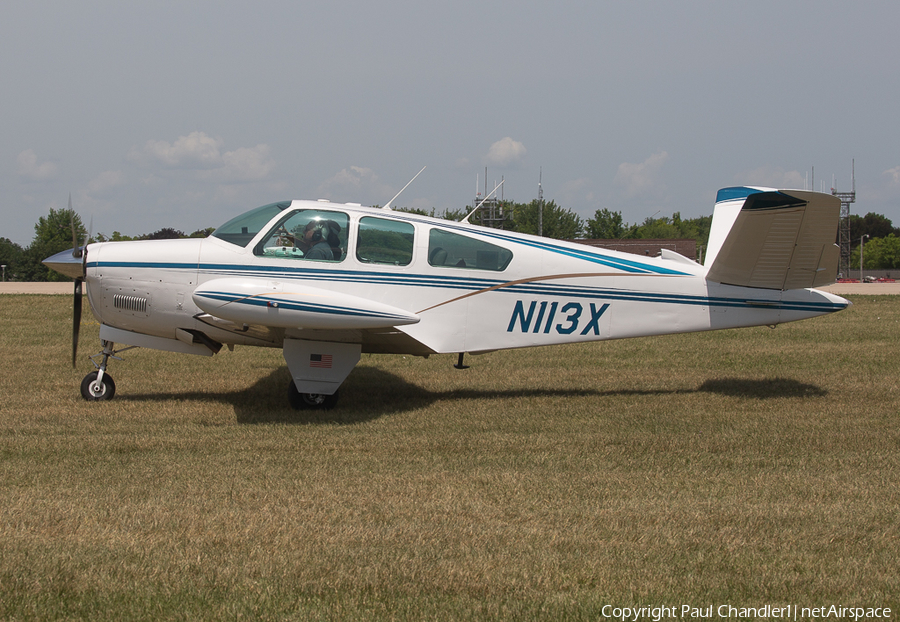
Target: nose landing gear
{"points": [[99, 385]]}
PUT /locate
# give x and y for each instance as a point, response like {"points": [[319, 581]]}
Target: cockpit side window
{"points": [[385, 241], [242, 229], [452, 250], [319, 235]]}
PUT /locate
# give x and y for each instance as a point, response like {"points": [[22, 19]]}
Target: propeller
{"points": [[78, 252], [73, 263], [76, 318]]}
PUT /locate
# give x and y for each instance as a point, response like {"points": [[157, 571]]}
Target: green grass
{"points": [[745, 467]]}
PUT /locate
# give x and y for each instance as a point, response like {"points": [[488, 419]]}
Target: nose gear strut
{"points": [[99, 385]]}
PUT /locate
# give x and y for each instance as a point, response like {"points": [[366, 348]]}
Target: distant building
{"points": [[647, 248]]}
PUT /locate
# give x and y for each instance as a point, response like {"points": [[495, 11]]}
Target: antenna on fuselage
{"points": [[388, 205], [541, 202], [477, 207]]}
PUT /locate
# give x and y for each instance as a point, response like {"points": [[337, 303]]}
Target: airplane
{"points": [[328, 281]]}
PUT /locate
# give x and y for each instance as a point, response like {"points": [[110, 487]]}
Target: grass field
{"points": [[745, 467]]}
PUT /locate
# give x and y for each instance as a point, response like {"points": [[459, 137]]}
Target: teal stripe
{"points": [[473, 284]]}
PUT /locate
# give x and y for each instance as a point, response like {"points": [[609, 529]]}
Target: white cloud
{"points": [[505, 152], [246, 164], [642, 178], [30, 168], [357, 184], [106, 181], [885, 190], [203, 154], [196, 150]]}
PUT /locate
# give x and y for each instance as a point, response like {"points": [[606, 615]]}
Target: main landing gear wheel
{"points": [[310, 401], [94, 391]]}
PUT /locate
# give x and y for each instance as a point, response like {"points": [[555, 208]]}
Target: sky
{"points": [[185, 114]]}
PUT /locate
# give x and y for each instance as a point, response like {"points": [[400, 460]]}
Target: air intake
{"points": [[136, 304]]}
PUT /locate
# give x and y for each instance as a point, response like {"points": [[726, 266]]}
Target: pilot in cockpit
{"points": [[317, 239], [320, 239]]}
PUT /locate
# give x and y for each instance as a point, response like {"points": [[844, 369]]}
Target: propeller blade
{"points": [[76, 318], [77, 251], [72, 225]]}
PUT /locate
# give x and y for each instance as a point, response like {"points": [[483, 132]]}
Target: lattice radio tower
{"points": [[491, 213], [844, 228]]}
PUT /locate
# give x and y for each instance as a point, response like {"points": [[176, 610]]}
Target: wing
{"points": [[292, 305]]}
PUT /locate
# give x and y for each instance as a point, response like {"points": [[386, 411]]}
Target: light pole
{"points": [[861, 280]]}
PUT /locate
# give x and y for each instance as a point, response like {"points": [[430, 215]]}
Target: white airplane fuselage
{"points": [[394, 282], [551, 292]]}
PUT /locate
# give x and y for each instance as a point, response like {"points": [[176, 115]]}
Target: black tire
{"points": [[94, 393], [310, 401]]}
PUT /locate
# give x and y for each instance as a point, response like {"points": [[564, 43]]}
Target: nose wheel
{"points": [[96, 387]]}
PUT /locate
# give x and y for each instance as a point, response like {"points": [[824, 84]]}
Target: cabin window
{"points": [[452, 250], [242, 229], [385, 241], [318, 235]]}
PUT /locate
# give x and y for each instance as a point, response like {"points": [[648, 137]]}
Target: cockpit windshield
{"points": [[242, 229]]}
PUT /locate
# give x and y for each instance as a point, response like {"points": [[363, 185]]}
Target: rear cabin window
{"points": [[385, 241], [317, 235], [452, 250]]}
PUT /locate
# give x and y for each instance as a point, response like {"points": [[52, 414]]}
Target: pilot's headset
{"points": [[318, 228], [331, 229]]}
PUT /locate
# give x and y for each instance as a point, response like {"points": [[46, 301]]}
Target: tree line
{"points": [[62, 228], [564, 224], [880, 242]]}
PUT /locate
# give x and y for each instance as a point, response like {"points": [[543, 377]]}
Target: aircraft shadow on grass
{"points": [[371, 393]]}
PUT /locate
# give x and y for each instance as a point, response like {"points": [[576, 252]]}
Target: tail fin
{"points": [[773, 239]]}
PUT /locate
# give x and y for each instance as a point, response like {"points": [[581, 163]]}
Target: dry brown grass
{"points": [[743, 467]]}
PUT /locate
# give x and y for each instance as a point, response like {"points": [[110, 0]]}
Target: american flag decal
{"points": [[320, 360]]}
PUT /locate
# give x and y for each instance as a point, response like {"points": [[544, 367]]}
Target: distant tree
{"points": [[455, 214], [699, 228], [657, 228], [166, 233], [11, 255], [606, 225], [51, 235], [873, 225], [558, 222], [415, 210], [878, 254], [675, 228], [202, 233], [115, 237]]}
